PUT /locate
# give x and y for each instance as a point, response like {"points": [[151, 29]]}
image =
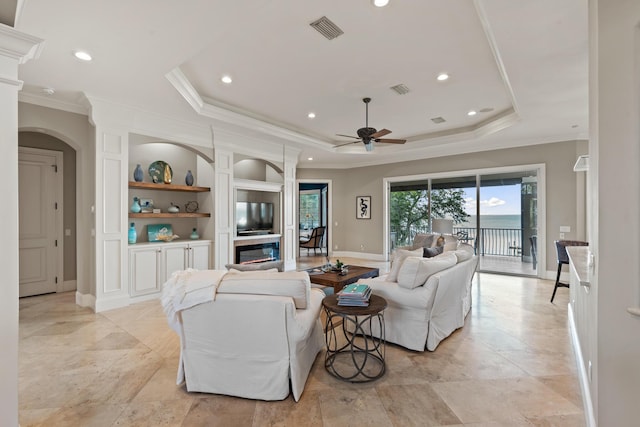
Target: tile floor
{"points": [[511, 365]]}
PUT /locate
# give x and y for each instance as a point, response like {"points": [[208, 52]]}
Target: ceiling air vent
{"points": [[327, 28], [438, 120], [400, 89]]}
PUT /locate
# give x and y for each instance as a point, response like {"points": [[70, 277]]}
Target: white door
{"points": [[39, 199]]}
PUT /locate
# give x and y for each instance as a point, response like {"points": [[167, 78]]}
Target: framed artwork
{"points": [[363, 207]]}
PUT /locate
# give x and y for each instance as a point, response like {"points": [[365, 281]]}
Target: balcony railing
{"points": [[491, 241]]}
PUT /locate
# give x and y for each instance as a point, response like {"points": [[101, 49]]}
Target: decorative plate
{"points": [[156, 171]]}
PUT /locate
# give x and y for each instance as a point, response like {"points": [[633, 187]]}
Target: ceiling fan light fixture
{"points": [[368, 146], [380, 3]]}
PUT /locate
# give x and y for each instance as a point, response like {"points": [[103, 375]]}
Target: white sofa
{"points": [[428, 298], [245, 334]]}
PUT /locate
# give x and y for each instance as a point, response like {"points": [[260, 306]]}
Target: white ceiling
{"points": [[525, 61]]}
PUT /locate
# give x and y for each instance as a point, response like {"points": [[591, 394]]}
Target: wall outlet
{"points": [[67, 232], [562, 235]]}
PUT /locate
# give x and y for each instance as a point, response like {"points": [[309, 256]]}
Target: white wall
{"points": [[615, 181]]}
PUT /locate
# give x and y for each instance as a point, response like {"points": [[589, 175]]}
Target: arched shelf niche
{"points": [[181, 158]]}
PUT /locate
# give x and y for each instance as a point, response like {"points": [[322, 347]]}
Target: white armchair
{"points": [[260, 333]]}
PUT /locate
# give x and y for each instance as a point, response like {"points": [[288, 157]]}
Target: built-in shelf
{"points": [[170, 215], [168, 187]]}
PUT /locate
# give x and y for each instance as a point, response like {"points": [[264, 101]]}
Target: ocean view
{"points": [[492, 221]]}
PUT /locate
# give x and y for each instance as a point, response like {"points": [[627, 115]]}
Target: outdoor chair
{"points": [[563, 258], [314, 241], [534, 250]]}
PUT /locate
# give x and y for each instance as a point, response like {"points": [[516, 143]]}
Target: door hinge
{"points": [[55, 205], [55, 168], [56, 279], [56, 243]]}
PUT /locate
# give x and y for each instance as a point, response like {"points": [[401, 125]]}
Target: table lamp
{"points": [[442, 226]]}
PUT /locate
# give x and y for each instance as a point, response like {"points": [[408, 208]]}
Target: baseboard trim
{"points": [[582, 373], [69, 285], [104, 304], [362, 255], [86, 300]]}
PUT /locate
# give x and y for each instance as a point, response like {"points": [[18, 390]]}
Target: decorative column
{"points": [[290, 251], [223, 203], [15, 48], [111, 207]]}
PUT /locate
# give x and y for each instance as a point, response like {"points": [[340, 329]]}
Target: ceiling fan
{"points": [[370, 135]]}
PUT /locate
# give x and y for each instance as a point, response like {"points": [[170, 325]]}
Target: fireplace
{"points": [[260, 252]]}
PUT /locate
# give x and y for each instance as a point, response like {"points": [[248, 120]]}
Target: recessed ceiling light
{"points": [[82, 55], [380, 3], [226, 79], [472, 113], [309, 158], [442, 77], [311, 115]]}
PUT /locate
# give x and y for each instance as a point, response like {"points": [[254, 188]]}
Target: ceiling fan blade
{"points": [[381, 132], [347, 136], [391, 141], [347, 143]]}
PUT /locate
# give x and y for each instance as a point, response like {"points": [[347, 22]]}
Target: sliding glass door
{"points": [[496, 213], [508, 222]]}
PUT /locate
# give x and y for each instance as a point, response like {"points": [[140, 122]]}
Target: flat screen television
{"points": [[254, 217]]}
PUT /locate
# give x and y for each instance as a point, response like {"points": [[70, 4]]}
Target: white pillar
{"points": [[290, 244], [15, 48], [111, 204], [223, 204]]}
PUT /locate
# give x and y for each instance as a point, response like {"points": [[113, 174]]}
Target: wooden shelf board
{"points": [[167, 187], [170, 215]]}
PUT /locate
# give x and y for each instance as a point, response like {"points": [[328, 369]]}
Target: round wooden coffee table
{"points": [[359, 355]]}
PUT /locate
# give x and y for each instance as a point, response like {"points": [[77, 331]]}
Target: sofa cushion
{"points": [[257, 266], [463, 253], [415, 271], [431, 252], [294, 284], [398, 259], [422, 240]]}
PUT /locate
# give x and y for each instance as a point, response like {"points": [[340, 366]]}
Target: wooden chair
{"points": [[563, 258], [314, 241]]}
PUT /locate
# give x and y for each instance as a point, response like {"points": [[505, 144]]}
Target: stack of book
{"points": [[354, 295]]}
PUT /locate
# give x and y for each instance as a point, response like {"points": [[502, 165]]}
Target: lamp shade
{"points": [[442, 225]]}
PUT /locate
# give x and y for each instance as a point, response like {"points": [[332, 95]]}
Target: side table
{"points": [[361, 357]]}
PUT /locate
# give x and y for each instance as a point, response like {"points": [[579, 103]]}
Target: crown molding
{"points": [[18, 45], [56, 104]]}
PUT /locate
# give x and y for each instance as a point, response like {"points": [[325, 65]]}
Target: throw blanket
{"points": [[186, 289]]}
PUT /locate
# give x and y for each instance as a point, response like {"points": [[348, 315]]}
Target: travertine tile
{"points": [[415, 405], [510, 365], [167, 413], [215, 410]]}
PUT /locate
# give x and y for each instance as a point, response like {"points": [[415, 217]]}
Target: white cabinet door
{"points": [[144, 271], [199, 255], [176, 258]]}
